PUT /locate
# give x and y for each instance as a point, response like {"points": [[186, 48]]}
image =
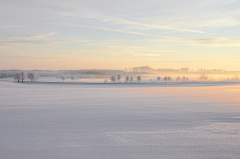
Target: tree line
{"points": [[139, 78], [21, 76]]}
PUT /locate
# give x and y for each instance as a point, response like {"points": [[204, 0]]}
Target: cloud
{"points": [[120, 50], [125, 47], [218, 22], [165, 15], [99, 44], [209, 42], [41, 35], [134, 24], [121, 21], [141, 54], [34, 41], [132, 53], [27, 37], [113, 30], [191, 61]]}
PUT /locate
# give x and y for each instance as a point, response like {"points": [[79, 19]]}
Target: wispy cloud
{"points": [[191, 61], [99, 44], [34, 40], [27, 37], [156, 26], [217, 22], [209, 42], [113, 30], [141, 54], [41, 35], [118, 21], [120, 50]]}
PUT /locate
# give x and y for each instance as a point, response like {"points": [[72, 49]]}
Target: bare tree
{"points": [[73, 77], [139, 78], [186, 79], [118, 77], [165, 78], [178, 79], [33, 76], [127, 79], [203, 77], [131, 79], [63, 77], [158, 78], [169, 78], [113, 78], [183, 78], [17, 77], [23, 75], [105, 81]]}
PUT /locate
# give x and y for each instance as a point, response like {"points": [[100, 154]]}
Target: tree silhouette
{"points": [[178, 79], [118, 77], [63, 78], [203, 77], [113, 78], [158, 78], [33, 76], [169, 78], [23, 75], [17, 77], [127, 79], [131, 79], [73, 77], [139, 78], [183, 78], [165, 78]]}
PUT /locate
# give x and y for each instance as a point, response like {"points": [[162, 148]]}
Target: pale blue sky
{"points": [[113, 34]]}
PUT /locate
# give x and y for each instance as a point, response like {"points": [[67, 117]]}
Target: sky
{"points": [[113, 34]]}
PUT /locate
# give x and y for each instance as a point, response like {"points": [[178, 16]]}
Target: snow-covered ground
{"points": [[64, 120]]}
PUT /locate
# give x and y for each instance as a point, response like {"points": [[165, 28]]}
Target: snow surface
{"points": [[64, 120]]}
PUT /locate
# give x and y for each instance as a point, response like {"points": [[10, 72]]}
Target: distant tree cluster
{"points": [[21, 76], [167, 78], [6, 74], [139, 79], [63, 77], [113, 78], [183, 79], [73, 77], [33, 76], [127, 79], [203, 77]]}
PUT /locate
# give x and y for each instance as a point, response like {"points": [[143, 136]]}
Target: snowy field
{"points": [[107, 121]]}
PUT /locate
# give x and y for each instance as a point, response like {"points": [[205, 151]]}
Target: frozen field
{"points": [[108, 121]]}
